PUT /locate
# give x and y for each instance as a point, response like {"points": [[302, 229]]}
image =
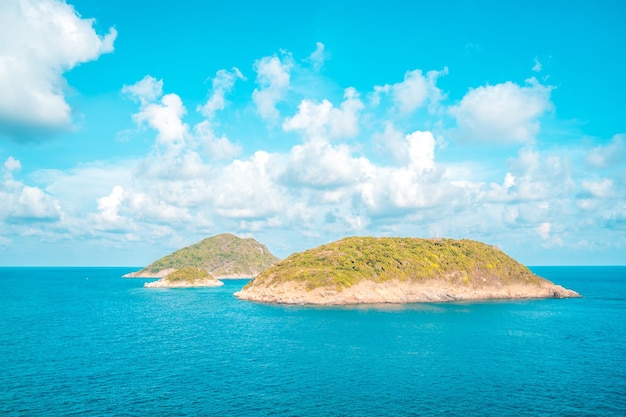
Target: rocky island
{"points": [[222, 256], [359, 270], [186, 277]]}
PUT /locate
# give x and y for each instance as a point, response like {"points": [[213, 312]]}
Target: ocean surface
{"points": [[84, 341]]}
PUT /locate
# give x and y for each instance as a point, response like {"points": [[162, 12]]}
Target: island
{"points": [[223, 256], [363, 270], [186, 277]]}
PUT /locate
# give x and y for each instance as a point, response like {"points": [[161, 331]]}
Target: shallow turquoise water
{"points": [[83, 341]]}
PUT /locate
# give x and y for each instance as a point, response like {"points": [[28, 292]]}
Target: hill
{"points": [[223, 256], [189, 276], [397, 270]]}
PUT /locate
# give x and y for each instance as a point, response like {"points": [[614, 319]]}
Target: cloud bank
{"points": [[358, 164]]}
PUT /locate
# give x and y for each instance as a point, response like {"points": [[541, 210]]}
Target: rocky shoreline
{"points": [[145, 274], [165, 272], [163, 283], [370, 292]]}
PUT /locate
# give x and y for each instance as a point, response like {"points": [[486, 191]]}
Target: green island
{"points": [[223, 256], [188, 276], [398, 270]]}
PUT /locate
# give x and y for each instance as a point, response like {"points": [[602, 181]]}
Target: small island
{"points": [[363, 270], [223, 256], [186, 277]]}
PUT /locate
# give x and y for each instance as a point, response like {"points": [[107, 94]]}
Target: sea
{"points": [[87, 342]]}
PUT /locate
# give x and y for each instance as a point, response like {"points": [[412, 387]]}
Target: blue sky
{"points": [[131, 129]]}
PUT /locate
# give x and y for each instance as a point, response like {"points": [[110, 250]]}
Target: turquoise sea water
{"points": [[83, 341]]}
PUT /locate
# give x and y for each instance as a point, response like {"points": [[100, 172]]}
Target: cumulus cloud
{"points": [[22, 203], [421, 150], [413, 92], [502, 113], [12, 164], [273, 76], [165, 113], [147, 90], [319, 164], [419, 184], [40, 40], [257, 193], [392, 142], [109, 207], [323, 121], [164, 116]]}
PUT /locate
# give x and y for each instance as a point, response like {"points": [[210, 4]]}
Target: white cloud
{"points": [[108, 218], [79, 187], [166, 118], [608, 155], [257, 193], [413, 92], [12, 164], [273, 76], [22, 203], [393, 142], [318, 56], [109, 206], [598, 189], [421, 151], [39, 41], [537, 67], [323, 121], [534, 177], [419, 184], [145, 208], [318, 164], [222, 83], [502, 113], [544, 230], [147, 90], [509, 180], [218, 148]]}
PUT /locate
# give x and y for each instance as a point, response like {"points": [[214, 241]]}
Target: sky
{"points": [[131, 129]]}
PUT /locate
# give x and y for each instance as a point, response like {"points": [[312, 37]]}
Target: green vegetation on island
{"points": [[188, 274], [344, 263], [223, 256], [359, 270]]}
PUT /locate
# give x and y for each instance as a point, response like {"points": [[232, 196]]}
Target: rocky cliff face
{"points": [[398, 270]]}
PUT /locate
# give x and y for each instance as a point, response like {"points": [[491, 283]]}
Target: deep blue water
{"points": [[83, 341]]}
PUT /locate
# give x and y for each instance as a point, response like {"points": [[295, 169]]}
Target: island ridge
{"points": [[358, 270], [223, 256]]}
